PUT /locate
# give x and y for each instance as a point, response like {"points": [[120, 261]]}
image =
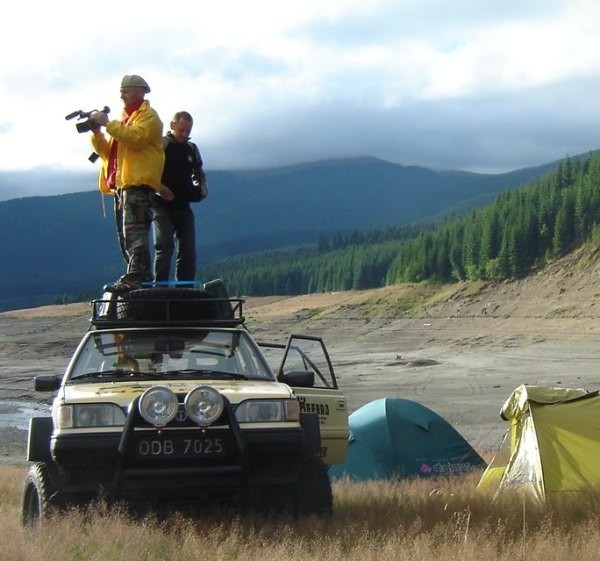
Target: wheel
{"points": [[37, 495], [164, 304], [312, 493]]}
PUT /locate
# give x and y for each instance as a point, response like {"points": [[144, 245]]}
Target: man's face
{"points": [[181, 130], [131, 94]]}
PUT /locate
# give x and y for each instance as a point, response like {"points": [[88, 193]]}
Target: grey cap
{"points": [[133, 80]]}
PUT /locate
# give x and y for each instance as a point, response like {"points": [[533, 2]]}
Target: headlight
{"points": [[158, 406], [204, 405], [268, 411], [89, 415]]}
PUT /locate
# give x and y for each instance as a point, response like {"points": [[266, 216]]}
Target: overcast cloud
{"points": [[484, 86]]}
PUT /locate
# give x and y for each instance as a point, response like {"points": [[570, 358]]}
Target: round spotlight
{"points": [[158, 406], [204, 405]]}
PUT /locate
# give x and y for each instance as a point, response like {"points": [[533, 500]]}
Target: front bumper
{"points": [[140, 462]]}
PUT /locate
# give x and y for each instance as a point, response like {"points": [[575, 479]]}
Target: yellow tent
{"points": [[552, 444]]}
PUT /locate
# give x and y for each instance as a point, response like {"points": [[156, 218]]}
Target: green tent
{"points": [[398, 438]]}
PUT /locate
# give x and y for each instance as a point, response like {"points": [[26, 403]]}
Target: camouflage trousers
{"points": [[133, 216]]}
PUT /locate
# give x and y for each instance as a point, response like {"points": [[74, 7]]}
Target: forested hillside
{"points": [[522, 229], [63, 247]]}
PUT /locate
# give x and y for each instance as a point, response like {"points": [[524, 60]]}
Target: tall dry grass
{"points": [[375, 521]]}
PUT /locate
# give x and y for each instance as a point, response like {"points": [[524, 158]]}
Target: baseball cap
{"points": [[133, 80]]}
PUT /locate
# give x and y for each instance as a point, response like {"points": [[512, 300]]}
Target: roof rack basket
{"points": [[158, 306]]}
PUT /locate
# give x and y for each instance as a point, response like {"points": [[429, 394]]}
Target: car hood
{"points": [[123, 393]]}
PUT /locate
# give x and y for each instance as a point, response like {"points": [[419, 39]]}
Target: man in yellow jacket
{"points": [[133, 159]]}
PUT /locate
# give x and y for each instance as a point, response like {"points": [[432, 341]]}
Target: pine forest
{"points": [[521, 230]]}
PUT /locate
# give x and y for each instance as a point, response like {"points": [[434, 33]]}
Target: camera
{"points": [[89, 123]]}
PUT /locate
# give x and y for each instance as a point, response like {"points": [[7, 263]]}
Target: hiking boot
{"points": [[124, 284]]}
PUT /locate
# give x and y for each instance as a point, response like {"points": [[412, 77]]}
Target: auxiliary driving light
{"points": [[158, 406], [204, 405]]}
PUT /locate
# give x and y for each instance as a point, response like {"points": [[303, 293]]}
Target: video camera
{"points": [[89, 123]]}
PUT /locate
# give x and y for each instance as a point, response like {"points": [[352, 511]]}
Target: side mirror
{"points": [[46, 383], [298, 378]]}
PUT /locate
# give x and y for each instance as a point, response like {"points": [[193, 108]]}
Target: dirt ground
{"points": [[460, 350]]}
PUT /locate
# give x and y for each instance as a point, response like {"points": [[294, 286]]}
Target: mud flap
{"points": [[38, 440], [312, 433]]}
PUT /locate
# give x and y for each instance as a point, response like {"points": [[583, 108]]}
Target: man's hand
{"points": [[166, 193], [100, 118]]}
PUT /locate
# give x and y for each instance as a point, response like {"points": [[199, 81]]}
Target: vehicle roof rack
{"points": [[159, 306]]}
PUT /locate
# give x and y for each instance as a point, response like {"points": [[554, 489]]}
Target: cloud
{"points": [[484, 86]]}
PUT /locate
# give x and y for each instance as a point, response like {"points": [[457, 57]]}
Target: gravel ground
{"points": [[461, 357]]}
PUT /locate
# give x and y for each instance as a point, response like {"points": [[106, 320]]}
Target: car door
{"points": [[304, 353]]}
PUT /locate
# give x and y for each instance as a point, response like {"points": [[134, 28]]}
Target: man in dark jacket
{"points": [[174, 220]]}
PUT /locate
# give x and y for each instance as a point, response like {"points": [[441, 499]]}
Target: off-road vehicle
{"points": [[169, 403]]}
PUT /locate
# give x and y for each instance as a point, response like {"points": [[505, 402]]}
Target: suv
{"points": [[169, 402]]}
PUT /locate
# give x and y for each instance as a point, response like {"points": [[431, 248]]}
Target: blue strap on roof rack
{"points": [[190, 284]]}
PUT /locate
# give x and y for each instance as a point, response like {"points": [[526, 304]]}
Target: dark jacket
{"points": [[182, 172]]}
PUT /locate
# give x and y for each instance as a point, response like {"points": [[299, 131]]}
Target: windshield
{"points": [[177, 354]]}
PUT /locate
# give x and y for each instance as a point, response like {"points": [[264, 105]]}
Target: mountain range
{"points": [[66, 244]]}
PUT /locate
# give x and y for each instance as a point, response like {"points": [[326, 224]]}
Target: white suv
{"points": [[168, 402]]}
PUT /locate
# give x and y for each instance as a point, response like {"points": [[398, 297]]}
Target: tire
{"points": [[38, 495], [166, 304], [312, 495]]}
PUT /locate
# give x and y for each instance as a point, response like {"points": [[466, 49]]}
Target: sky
{"points": [[477, 85]]}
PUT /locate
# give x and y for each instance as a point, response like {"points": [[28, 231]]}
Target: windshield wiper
{"points": [[214, 374], [116, 373]]}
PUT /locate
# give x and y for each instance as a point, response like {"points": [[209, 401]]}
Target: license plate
{"points": [[180, 447]]}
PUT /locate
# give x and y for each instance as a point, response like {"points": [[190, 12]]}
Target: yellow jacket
{"points": [[140, 154]]}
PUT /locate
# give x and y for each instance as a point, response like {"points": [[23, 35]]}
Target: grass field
{"points": [[380, 521]]}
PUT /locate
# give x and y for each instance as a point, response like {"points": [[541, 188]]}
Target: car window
{"points": [[309, 353], [159, 352]]}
